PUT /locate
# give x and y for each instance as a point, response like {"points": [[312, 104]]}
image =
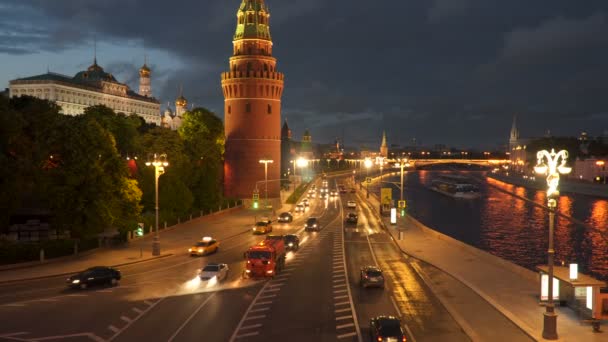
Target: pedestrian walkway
{"points": [[139, 250], [509, 288]]}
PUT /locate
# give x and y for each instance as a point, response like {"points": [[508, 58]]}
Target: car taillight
{"points": [[379, 338], [404, 339]]}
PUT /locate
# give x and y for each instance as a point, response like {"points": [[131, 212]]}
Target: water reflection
{"points": [[515, 229]]}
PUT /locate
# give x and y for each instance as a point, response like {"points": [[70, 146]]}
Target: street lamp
{"points": [[401, 164], [552, 170], [266, 162], [159, 163], [368, 163]]}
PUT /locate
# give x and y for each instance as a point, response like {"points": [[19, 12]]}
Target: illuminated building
{"points": [[91, 87], [252, 91]]}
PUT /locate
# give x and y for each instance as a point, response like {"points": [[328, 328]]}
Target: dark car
{"points": [[312, 224], [99, 275], [292, 242], [351, 218], [386, 328], [371, 276], [285, 217]]}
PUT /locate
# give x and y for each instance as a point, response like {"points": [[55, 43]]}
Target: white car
{"points": [[351, 204], [300, 208], [217, 271]]}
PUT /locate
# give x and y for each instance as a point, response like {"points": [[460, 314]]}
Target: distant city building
{"points": [[384, 146], [305, 150], [91, 87], [252, 91], [591, 170], [287, 151], [518, 153]]}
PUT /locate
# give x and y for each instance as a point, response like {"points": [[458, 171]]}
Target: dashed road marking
{"points": [[251, 326], [260, 310], [340, 291], [347, 335], [268, 296], [344, 317], [126, 319], [113, 328], [263, 303], [247, 335], [340, 297], [347, 325], [255, 317], [138, 311], [342, 310]]}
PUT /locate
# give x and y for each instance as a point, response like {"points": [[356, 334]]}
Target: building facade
{"points": [[87, 88], [518, 152], [252, 106], [287, 151]]}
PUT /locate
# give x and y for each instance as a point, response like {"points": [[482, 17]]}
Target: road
{"points": [[316, 298]]}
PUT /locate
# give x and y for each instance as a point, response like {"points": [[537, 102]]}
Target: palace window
{"points": [[269, 109], [229, 109]]}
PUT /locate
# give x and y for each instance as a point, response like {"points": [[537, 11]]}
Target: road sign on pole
{"points": [[402, 204]]}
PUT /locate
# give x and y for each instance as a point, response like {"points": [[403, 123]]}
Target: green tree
{"points": [[124, 128], [203, 135]]}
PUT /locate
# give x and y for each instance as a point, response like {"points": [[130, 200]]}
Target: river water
{"points": [[512, 228]]}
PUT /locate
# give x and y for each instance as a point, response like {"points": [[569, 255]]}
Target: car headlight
{"points": [[75, 281], [314, 226], [253, 229], [247, 271], [290, 244], [269, 272], [201, 250], [189, 249]]}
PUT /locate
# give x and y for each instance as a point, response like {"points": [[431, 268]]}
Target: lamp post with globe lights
{"points": [[368, 164], [159, 163], [552, 170]]}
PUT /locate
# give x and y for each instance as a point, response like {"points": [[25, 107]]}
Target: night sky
{"points": [[441, 71]]}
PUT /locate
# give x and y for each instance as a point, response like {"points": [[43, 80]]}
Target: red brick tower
{"points": [[252, 106]]}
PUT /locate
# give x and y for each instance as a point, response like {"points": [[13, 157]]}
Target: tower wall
{"points": [[252, 109]]}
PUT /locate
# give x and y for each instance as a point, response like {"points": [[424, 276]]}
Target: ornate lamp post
{"points": [[552, 170], [159, 163], [266, 162], [401, 164]]}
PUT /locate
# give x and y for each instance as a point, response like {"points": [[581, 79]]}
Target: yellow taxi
{"points": [[206, 245]]}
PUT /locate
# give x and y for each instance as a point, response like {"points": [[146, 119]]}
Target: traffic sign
{"points": [[256, 196], [402, 204], [368, 180]]}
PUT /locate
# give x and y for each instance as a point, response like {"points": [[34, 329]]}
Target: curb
{"points": [[8, 282], [523, 327], [29, 264]]}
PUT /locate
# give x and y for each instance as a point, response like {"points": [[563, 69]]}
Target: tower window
{"points": [[229, 109], [248, 107], [269, 109]]}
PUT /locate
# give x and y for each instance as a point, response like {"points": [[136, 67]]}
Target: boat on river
{"points": [[456, 186]]}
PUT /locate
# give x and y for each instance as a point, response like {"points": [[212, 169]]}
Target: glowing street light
{"points": [[266, 162], [159, 163], [368, 164], [552, 170], [601, 163]]}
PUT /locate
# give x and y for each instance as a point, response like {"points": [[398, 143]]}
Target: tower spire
{"points": [[95, 49]]}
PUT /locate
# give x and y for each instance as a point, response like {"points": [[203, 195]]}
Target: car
{"points": [[325, 184], [306, 202], [299, 208], [98, 275], [352, 218], [217, 271], [262, 227], [285, 217], [312, 223], [312, 195], [351, 204], [292, 242], [207, 245], [371, 276], [333, 193], [386, 328]]}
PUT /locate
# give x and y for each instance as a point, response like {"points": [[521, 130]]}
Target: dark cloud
{"points": [[442, 71]]}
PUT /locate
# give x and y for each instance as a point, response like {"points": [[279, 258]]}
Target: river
{"points": [[512, 228]]}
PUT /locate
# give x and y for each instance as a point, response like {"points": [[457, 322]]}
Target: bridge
{"points": [[481, 162]]}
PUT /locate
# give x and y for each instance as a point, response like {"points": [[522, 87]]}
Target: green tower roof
{"points": [[253, 20]]}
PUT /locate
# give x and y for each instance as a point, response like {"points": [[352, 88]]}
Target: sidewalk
{"points": [[136, 251], [509, 288]]}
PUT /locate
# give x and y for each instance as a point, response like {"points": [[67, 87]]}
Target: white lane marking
{"points": [[342, 303], [248, 334], [255, 317], [251, 326], [339, 271], [14, 304], [190, 317], [339, 285], [113, 328], [260, 310], [150, 307], [340, 291], [272, 290], [138, 311], [347, 335], [350, 298], [104, 291], [338, 280], [14, 334], [47, 300], [347, 325], [277, 285], [62, 337], [341, 310], [344, 317], [268, 296], [264, 302], [77, 295], [340, 297], [126, 319], [149, 303], [395, 306]]}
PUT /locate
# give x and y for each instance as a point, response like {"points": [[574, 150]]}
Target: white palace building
{"points": [[92, 87]]}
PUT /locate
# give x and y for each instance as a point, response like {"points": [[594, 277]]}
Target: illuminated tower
{"points": [[384, 147], [144, 81], [514, 136], [252, 105]]}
